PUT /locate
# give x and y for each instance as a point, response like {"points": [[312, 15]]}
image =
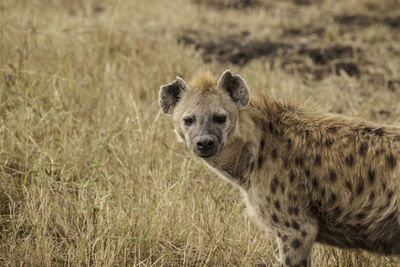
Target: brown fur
{"points": [[204, 80], [310, 176]]}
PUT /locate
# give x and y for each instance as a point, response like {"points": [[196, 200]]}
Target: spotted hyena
{"points": [[307, 176]]}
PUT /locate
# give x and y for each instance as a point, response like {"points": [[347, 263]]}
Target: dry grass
{"points": [[90, 173]]}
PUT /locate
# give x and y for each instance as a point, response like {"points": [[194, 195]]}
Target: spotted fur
{"points": [[307, 176]]}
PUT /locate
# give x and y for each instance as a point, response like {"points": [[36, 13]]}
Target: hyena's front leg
{"points": [[295, 245]]}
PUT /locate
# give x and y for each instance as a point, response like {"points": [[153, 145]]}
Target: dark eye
{"points": [[220, 118], [188, 121]]}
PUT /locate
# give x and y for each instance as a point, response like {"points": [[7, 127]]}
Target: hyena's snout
{"points": [[205, 145]]}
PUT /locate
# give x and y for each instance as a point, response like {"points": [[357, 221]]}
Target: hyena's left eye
{"points": [[220, 119]]}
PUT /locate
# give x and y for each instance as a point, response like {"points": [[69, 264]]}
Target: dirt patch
{"points": [[306, 2], [393, 22], [324, 55], [362, 20], [304, 31], [240, 49], [229, 4], [235, 49]]}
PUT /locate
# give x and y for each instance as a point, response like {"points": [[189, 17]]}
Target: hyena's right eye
{"points": [[188, 121]]}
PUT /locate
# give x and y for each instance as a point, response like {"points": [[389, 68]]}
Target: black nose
{"points": [[205, 143]]}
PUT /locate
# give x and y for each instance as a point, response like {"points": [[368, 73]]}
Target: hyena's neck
{"points": [[237, 161], [260, 136]]}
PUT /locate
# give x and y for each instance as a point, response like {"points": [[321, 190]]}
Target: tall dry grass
{"points": [[90, 173]]}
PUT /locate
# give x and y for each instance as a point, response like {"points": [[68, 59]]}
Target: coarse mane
{"points": [[203, 80]]}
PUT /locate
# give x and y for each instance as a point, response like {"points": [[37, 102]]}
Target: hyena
{"points": [[306, 176]]}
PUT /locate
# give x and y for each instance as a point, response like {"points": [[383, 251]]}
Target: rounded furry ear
{"points": [[236, 87], [170, 94]]}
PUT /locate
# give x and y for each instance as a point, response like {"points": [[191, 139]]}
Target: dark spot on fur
{"points": [[379, 132], [332, 198], [322, 192], [275, 218], [260, 161], [360, 188], [286, 163], [291, 177], [289, 144], [328, 142], [332, 175], [332, 129], [277, 205], [262, 144], [307, 172], [371, 176], [295, 243], [361, 216], [367, 130], [348, 185], [299, 161], [271, 128], [304, 233], [285, 237], [295, 225], [391, 161], [350, 160], [283, 188], [274, 185], [368, 208], [290, 210], [287, 261], [303, 263], [337, 211], [363, 149], [274, 154], [287, 224], [315, 182], [390, 195], [268, 199], [384, 186], [317, 160], [397, 138], [307, 133], [372, 196], [296, 211]]}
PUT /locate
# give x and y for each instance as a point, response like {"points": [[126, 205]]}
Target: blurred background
{"points": [[90, 171]]}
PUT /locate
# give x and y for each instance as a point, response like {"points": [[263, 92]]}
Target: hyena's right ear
{"points": [[236, 87], [171, 93]]}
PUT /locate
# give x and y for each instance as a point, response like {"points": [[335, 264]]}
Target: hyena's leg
{"points": [[295, 244]]}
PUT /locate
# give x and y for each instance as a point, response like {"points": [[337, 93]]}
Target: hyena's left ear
{"points": [[236, 87], [170, 94]]}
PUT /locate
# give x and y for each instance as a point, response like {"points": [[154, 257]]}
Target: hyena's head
{"points": [[205, 116]]}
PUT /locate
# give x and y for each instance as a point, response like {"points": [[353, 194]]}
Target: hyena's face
{"points": [[205, 118]]}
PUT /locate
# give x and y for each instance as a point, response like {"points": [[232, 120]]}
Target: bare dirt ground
{"points": [[90, 172]]}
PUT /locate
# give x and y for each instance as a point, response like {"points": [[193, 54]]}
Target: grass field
{"points": [[90, 172]]}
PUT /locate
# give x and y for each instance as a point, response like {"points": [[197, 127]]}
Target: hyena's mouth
{"points": [[205, 153]]}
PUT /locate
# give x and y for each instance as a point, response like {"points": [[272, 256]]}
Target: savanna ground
{"points": [[90, 172]]}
